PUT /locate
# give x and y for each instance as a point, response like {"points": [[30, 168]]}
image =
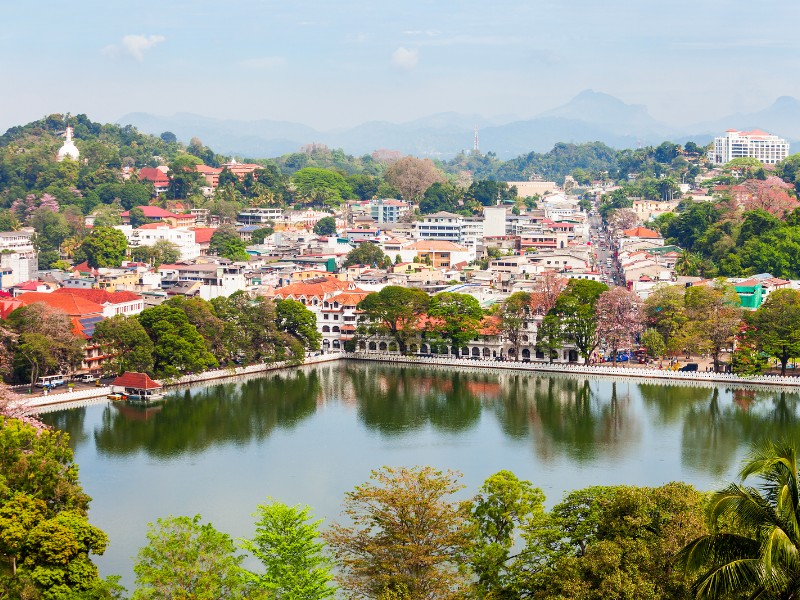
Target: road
{"points": [[603, 254]]}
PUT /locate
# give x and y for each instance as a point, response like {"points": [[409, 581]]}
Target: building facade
{"points": [[767, 148]]}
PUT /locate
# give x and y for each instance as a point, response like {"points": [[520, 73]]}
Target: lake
{"points": [[311, 434]]}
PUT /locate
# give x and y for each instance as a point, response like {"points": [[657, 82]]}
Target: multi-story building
{"points": [[387, 210], [18, 260], [767, 148], [150, 233], [450, 227], [259, 216]]}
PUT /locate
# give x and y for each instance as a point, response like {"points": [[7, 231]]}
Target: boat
{"points": [[116, 397]]}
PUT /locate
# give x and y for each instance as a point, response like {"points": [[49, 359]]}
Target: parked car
{"points": [[85, 378], [689, 367]]}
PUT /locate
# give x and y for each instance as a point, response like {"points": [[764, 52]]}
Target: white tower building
{"points": [[68, 149]]}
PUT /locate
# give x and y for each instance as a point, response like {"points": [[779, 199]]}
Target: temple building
{"points": [[69, 149]]}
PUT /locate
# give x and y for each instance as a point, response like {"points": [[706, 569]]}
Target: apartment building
{"points": [[767, 148]]}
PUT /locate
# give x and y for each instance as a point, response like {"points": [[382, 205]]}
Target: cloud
{"points": [[264, 62], [405, 59], [134, 46]]}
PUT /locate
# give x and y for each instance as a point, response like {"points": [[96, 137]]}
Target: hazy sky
{"points": [[336, 63]]}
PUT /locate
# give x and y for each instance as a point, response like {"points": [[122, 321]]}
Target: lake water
{"points": [[312, 434]]}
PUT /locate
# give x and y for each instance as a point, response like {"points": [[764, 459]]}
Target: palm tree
{"points": [[753, 549]]}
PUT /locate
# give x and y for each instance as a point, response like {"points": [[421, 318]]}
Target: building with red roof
{"points": [[113, 303], [157, 176]]}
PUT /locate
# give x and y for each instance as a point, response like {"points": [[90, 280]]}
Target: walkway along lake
{"points": [[311, 434]]}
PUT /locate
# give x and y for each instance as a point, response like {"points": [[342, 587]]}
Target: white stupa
{"points": [[68, 149]]}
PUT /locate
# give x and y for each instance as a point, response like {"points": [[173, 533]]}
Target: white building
{"points": [[387, 210], [18, 260], [450, 227], [259, 216], [767, 148], [149, 234], [494, 221]]}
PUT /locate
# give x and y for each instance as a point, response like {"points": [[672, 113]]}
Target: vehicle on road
{"points": [[50, 381], [689, 367]]}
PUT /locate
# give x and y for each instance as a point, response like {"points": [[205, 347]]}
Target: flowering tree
{"points": [[619, 319], [771, 195], [24, 208], [546, 290]]}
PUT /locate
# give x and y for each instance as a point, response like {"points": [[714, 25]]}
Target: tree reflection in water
{"points": [[583, 419]]}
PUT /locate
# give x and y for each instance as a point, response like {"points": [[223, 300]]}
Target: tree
{"points": [[184, 180], [260, 234], [177, 346], [395, 311], [44, 534], [406, 533], [169, 137], [187, 559], [104, 247], [295, 319], [550, 336], [227, 243], [325, 226], [128, 344], [620, 542], [576, 307], [751, 548], [321, 186], [285, 543], [367, 253], [137, 217], [776, 326], [546, 290], [770, 195], [412, 176], [622, 218], [47, 342], [163, 251], [505, 510], [618, 319], [456, 317], [515, 312], [714, 317], [665, 312], [654, 343]]}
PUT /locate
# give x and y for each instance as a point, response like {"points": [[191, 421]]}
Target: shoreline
{"points": [[93, 395]]}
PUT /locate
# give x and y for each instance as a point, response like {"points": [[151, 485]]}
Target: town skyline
{"points": [[339, 66]]}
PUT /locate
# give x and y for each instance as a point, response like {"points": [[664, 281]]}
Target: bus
{"points": [[50, 381]]}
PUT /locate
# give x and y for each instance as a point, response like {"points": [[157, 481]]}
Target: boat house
{"points": [[137, 387]]}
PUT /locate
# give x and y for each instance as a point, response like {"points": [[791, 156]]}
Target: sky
{"points": [[336, 63]]}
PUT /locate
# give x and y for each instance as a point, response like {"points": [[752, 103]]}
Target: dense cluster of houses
{"points": [[489, 256]]}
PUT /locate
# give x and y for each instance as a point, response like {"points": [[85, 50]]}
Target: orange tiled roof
{"points": [[202, 235], [137, 381], [100, 296], [72, 304], [312, 287], [641, 232], [437, 246], [350, 298]]}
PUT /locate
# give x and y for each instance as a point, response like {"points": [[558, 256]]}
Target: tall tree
{"points": [[405, 534], [368, 254], [714, 317], [412, 176], [395, 311], [185, 558], [577, 308], [295, 319], [294, 562], [775, 326], [227, 243], [104, 247], [325, 226], [128, 344], [665, 311], [550, 336], [456, 317], [619, 319], [515, 313]]}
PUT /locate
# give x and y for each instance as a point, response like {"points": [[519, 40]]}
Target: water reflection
{"points": [[193, 420], [577, 419]]}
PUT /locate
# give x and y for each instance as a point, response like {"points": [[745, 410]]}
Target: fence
{"points": [[656, 374]]}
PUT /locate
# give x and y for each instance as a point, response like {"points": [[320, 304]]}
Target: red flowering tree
{"points": [[771, 195]]}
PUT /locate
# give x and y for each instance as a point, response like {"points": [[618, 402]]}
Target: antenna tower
{"points": [[475, 142]]}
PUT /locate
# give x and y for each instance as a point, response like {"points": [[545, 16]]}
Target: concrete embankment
{"points": [[43, 402], [606, 371]]}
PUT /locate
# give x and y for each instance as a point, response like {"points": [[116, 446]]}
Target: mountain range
{"points": [[590, 116]]}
